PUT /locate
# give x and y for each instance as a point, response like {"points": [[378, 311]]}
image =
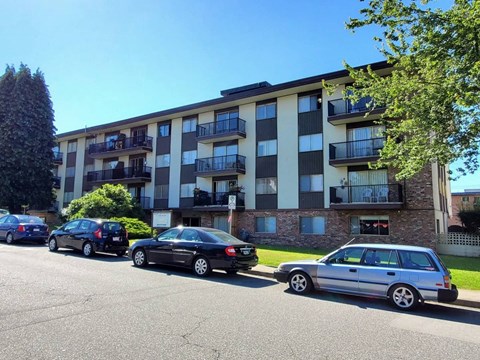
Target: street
{"points": [[64, 306]]}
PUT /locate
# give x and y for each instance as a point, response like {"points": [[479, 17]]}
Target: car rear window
{"points": [[112, 226], [416, 260], [222, 236], [30, 219]]}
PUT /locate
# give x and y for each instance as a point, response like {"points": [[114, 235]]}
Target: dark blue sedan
{"points": [[23, 227]]}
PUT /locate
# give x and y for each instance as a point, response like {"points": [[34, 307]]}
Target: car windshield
{"points": [[222, 236], [29, 219]]}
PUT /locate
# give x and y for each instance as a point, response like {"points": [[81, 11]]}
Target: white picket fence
{"points": [[459, 244]]}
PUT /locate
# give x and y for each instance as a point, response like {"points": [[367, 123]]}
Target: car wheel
{"points": [[403, 297], [52, 244], [9, 239], [140, 258], [120, 253], [300, 282], [88, 249], [201, 267], [231, 272]]}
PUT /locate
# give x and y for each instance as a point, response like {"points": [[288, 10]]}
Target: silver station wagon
{"points": [[405, 275]]}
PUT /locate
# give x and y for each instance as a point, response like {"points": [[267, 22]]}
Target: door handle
{"points": [[352, 270], [391, 273]]}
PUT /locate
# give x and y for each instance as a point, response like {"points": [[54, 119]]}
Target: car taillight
{"points": [[21, 228], [446, 282], [230, 251], [126, 234], [98, 233]]}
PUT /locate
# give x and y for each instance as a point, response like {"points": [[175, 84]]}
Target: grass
{"points": [[465, 271]]}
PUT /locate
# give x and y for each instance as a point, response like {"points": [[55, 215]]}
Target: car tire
{"points": [[300, 283], [88, 250], [231, 272], [140, 258], [120, 253], [201, 266], [52, 244], [9, 239], [403, 297]]}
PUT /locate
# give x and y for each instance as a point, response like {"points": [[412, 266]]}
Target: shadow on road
{"points": [[217, 276], [428, 310], [104, 257]]}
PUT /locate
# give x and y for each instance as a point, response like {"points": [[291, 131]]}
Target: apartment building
{"points": [[468, 199], [294, 157]]}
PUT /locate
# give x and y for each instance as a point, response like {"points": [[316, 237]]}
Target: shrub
{"points": [[137, 229]]}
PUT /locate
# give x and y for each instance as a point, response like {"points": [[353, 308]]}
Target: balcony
{"points": [[221, 130], [144, 202], [220, 165], [58, 158], [341, 111], [125, 146], [378, 196], [217, 201], [355, 152], [56, 182], [126, 175]]}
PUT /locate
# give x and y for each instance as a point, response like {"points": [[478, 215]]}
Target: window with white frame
{"points": [[89, 141], [226, 115], [267, 148], [311, 142], [266, 111], [266, 186], [72, 147], [312, 225], [267, 224], [163, 130], [70, 172], [309, 103], [163, 160], [161, 192], [189, 125], [310, 183], [189, 157], [186, 190], [370, 225]]}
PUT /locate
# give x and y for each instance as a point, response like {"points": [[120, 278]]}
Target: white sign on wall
{"points": [[162, 219]]}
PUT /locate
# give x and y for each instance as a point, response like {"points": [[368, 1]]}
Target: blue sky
{"points": [[108, 60]]}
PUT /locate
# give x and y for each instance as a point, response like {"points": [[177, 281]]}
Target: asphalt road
{"points": [[64, 306]]}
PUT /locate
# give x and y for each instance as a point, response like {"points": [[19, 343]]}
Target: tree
{"points": [[432, 96], [27, 137], [106, 202]]}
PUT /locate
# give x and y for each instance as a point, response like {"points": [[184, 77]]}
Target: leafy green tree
{"points": [[106, 202], [470, 220], [27, 136], [432, 96], [137, 229]]}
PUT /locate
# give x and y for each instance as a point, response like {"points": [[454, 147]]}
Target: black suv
{"points": [[89, 236]]}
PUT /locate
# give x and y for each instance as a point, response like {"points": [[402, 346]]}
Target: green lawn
{"points": [[465, 271]]}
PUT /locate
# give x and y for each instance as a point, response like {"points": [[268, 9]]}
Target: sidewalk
{"points": [[469, 298]]}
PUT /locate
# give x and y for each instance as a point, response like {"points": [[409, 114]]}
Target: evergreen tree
{"points": [[27, 137]]}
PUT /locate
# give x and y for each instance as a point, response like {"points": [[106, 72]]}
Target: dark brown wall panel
{"points": [[186, 175], [186, 202], [266, 166], [310, 123], [71, 159], [69, 184], [163, 145], [311, 200], [160, 203], [189, 141], [263, 202], [310, 162], [266, 129], [162, 176]]}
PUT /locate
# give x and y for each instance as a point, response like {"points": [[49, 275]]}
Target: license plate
{"points": [[116, 238], [245, 251], [36, 229]]}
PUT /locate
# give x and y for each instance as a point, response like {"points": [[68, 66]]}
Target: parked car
{"points": [[90, 236], [4, 212], [23, 228], [201, 249], [405, 275]]}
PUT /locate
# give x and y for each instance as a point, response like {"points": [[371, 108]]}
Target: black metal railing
{"points": [[372, 193], [203, 198], [223, 127], [58, 157], [121, 144], [356, 149], [220, 163], [346, 106], [56, 182], [119, 174]]}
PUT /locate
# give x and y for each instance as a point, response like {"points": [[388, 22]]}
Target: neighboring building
{"points": [[465, 200], [295, 157]]}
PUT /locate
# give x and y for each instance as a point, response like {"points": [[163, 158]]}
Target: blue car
{"points": [[23, 228]]}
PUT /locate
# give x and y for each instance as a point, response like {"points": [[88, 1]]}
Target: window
{"points": [[163, 160], [190, 125], [476, 200], [89, 141], [226, 115], [225, 150], [70, 172], [465, 199], [310, 142], [72, 146], [379, 257], [310, 183], [169, 234], [163, 130], [266, 186], [267, 148], [312, 225], [186, 190], [267, 224], [161, 191], [309, 103], [347, 256], [188, 157], [369, 225], [67, 197], [266, 111], [416, 260], [72, 225]]}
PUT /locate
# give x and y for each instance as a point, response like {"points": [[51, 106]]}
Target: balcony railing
{"points": [[129, 173], [56, 182], [355, 149], [215, 199], [144, 202], [58, 157], [127, 145], [367, 196], [223, 129], [229, 164], [346, 106]]}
